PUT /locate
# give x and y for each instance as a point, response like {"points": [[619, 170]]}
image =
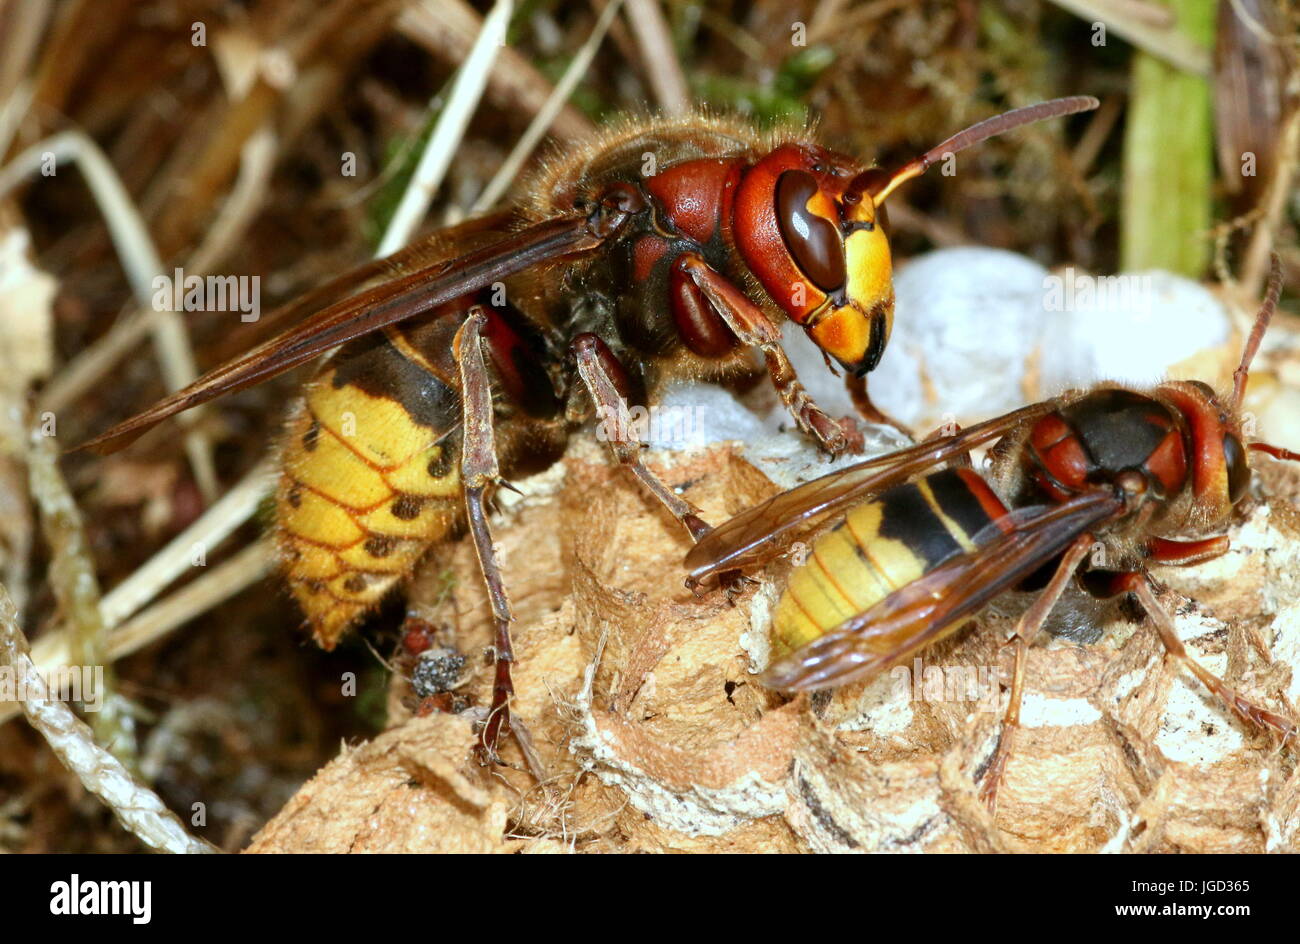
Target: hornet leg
{"points": [[1186, 553], [479, 472], [1243, 707], [605, 380], [1031, 621], [748, 322], [857, 388]]}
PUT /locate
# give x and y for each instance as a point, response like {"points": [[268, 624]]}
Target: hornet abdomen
{"points": [[370, 479], [881, 546]]}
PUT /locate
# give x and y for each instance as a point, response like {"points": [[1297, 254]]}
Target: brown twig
{"points": [[1256, 262], [664, 71], [1133, 22]]}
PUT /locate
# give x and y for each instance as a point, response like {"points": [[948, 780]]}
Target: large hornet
{"points": [[470, 355], [913, 551]]}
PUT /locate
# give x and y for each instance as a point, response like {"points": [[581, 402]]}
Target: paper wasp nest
{"points": [[642, 709]]}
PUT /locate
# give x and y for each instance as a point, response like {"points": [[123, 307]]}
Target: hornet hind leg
{"points": [[605, 380], [603, 376], [1026, 629], [1241, 706], [480, 472]]}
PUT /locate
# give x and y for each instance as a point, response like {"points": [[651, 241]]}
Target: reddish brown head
{"points": [[1220, 475], [1182, 436], [810, 224], [822, 258], [1217, 445]]}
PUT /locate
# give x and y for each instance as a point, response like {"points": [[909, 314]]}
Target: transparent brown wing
{"points": [[767, 530], [429, 250], [403, 296], [936, 604]]}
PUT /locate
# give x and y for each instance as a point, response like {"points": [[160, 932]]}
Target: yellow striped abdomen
{"points": [[365, 488], [881, 546]]}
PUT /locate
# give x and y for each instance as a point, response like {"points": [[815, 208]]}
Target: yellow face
{"points": [[854, 326], [806, 225]]}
